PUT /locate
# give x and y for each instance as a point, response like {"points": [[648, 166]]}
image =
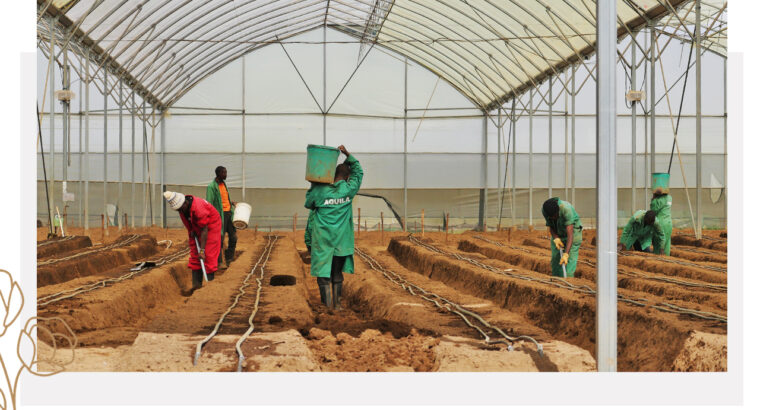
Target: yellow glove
{"points": [[565, 258], [558, 243]]}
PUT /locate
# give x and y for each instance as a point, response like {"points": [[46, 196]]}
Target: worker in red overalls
{"points": [[202, 221]]}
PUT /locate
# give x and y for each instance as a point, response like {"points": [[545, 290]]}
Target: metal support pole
{"points": [[66, 112], [498, 166], [566, 173], [514, 162], [406, 72], [647, 171], [79, 184], [242, 154], [51, 149], [145, 169], [725, 142], [606, 296], [132, 168], [121, 152], [652, 100], [483, 214], [87, 145], [530, 160], [163, 168], [572, 137], [551, 133], [633, 131], [698, 72], [105, 146]]}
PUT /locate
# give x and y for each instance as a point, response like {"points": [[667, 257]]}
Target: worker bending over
{"points": [[661, 203], [218, 195], [204, 223], [566, 230], [643, 233], [329, 232]]}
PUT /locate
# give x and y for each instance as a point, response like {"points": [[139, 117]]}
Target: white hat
{"points": [[175, 199]]}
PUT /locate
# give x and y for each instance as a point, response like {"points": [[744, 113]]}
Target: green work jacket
{"points": [[647, 235], [330, 227], [662, 205], [567, 216], [214, 197]]}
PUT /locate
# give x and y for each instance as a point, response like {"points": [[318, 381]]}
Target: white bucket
{"points": [[241, 215]]}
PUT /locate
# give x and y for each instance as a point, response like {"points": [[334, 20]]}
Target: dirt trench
{"points": [[95, 263], [62, 245], [648, 341], [700, 243]]}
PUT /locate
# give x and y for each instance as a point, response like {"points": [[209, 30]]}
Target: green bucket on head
{"points": [[660, 182], [320, 163]]}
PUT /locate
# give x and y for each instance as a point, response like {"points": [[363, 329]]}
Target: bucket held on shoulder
{"points": [[320, 163], [660, 183]]}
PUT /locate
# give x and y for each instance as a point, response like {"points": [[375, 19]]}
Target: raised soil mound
{"points": [[62, 245]]}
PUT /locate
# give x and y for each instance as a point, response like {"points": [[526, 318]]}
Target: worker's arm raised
{"points": [[357, 173]]}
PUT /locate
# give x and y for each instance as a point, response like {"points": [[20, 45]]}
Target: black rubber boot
{"points": [[325, 295], [337, 289]]}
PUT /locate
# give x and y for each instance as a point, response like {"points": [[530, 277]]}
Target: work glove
{"points": [[565, 258], [558, 243]]}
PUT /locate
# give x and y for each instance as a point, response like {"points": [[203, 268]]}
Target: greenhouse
{"points": [[466, 116]]}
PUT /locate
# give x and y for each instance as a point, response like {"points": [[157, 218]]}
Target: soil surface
{"points": [[432, 302]]}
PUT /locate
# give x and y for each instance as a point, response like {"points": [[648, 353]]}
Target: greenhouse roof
{"points": [[489, 50]]}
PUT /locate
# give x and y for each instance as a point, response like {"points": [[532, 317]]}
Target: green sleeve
{"points": [[311, 198], [626, 238], [210, 193], [567, 215], [658, 239], [307, 232], [357, 173]]}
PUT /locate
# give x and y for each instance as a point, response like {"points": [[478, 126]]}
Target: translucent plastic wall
{"points": [[257, 114]]}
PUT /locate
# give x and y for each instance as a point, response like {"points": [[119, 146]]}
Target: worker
{"points": [[643, 233], [219, 196], [329, 232], [566, 231], [661, 203], [204, 224]]}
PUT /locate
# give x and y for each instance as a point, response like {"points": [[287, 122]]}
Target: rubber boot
{"points": [[325, 295], [336, 291]]}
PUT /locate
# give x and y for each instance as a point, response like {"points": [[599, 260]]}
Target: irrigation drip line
{"points": [[124, 242], [271, 241], [702, 251], [710, 286], [711, 238], [44, 171], [680, 107], [443, 303], [58, 240], [585, 289], [247, 333], [68, 294], [683, 263]]}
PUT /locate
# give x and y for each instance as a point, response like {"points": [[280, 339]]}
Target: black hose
{"points": [[680, 107], [387, 202], [44, 170]]}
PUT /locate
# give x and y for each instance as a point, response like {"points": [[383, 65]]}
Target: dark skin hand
{"points": [[344, 150]]}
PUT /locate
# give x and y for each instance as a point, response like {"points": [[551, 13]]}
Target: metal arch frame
{"points": [[487, 86]]}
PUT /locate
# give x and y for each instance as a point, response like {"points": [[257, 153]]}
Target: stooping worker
{"points": [[204, 223], [219, 196], [643, 233], [566, 231], [661, 203], [329, 230]]}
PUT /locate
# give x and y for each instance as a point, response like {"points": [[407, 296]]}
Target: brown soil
{"points": [[94, 263], [648, 340], [701, 243], [153, 321], [62, 245]]}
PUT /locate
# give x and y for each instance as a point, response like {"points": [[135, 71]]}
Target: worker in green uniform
{"points": [[329, 231], [563, 223], [643, 233], [661, 203]]}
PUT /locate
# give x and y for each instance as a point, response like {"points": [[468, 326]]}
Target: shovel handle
{"points": [[564, 268], [203, 265]]}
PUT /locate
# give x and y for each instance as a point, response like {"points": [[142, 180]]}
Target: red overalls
{"points": [[202, 215]]}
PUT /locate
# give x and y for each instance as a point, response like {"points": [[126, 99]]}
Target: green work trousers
{"points": [[572, 263], [667, 227]]}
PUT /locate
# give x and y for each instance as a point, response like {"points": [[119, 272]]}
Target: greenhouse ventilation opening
{"points": [[476, 108]]}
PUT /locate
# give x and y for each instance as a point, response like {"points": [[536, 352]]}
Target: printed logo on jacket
{"points": [[337, 201]]}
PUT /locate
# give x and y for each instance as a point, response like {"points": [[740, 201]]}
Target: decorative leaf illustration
{"points": [[61, 337], [12, 299]]}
